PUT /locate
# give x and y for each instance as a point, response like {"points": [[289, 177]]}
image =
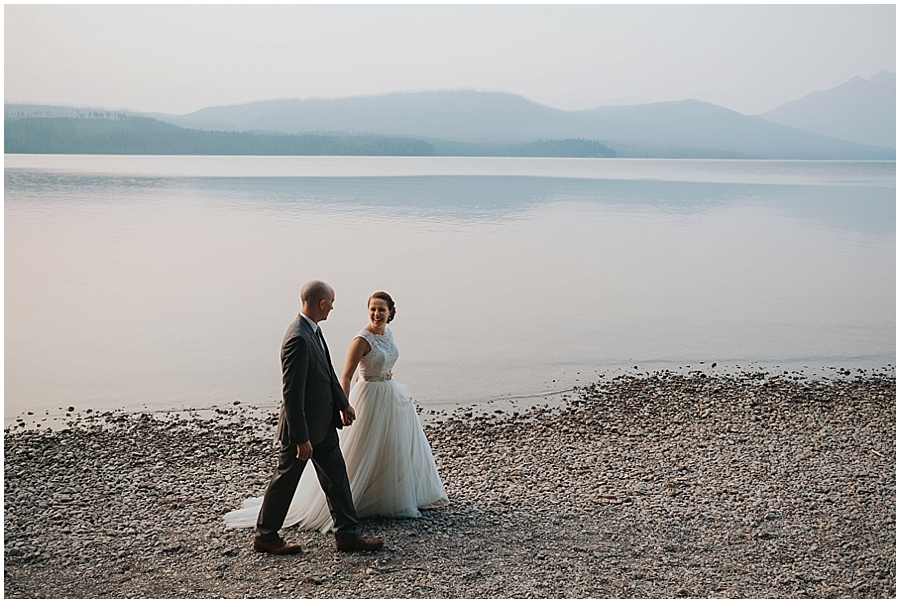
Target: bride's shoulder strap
{"points": [[365, 334]]}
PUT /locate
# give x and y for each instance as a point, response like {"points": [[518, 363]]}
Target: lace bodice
{"points": [[379, 362]]}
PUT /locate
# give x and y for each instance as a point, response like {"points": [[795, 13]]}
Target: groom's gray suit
{"points": [[313, 401]]}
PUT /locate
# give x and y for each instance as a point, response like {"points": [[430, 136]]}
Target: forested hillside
{"points": [[131, 135], [144, 136]]}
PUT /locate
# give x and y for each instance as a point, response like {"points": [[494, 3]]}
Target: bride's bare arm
{"points": [[359, 347]]}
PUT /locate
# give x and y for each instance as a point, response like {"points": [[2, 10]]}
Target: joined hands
{"points": [[348, 415]]}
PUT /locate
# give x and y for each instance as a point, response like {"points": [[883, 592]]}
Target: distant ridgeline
{"points": [[103, 133]]}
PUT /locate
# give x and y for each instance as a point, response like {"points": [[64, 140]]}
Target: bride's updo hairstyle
{"points": [[386, 299]]}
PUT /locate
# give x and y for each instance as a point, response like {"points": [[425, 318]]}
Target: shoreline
{"points": [[665, 485], [75, 415]]}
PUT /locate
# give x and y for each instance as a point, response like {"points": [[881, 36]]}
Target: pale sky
{"points": [[178, 59]]}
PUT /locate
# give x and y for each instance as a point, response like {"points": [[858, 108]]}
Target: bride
{"points": [[389, 462]]}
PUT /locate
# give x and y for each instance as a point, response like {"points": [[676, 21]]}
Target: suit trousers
{"points": [[332, 473]]}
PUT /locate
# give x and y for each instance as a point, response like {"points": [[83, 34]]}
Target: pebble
{"points": [[657, 485]]}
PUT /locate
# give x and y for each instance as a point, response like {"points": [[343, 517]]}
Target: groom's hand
{"points": [[348, 415], [304, 451]]}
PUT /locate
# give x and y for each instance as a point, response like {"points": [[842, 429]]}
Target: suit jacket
{"points": [[313, 397]]}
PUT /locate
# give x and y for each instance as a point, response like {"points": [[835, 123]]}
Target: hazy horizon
{"points": [[179, 59]]}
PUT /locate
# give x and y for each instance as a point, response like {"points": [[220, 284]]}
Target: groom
{"points": [[314, 408]]}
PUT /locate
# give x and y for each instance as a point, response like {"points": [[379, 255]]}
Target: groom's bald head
{"points": [[315, 291], [318, 299]]}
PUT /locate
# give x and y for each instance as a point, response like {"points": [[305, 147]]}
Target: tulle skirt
{"points": [[389, 462]]}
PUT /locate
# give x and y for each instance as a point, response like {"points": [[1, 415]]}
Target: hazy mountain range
{"points": [[853, 121], [859, 110]]}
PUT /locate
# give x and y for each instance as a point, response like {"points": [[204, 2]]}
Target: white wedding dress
{"points": [[389, 462]]}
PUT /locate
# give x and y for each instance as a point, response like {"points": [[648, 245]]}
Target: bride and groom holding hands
{"points": [[382, 466]]}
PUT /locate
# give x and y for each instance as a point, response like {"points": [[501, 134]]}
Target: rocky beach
{"points": [[654, 485]]}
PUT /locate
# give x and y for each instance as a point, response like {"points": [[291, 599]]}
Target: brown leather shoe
{"points": [[276, 547], [359, 544]]}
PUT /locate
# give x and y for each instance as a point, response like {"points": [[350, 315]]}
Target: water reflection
{"points": [[166, 290], [869, 209], [830, 173]]}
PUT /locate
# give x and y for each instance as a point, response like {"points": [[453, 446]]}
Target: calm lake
{"points": [[168, 282]]}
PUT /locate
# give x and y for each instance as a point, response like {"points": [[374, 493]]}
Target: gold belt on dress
{"points": [[385, 377]]}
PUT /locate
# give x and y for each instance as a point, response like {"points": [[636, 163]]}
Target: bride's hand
{"points": [[348, 415]]}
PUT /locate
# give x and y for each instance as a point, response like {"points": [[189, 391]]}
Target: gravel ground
{"points": [[659, 485]]}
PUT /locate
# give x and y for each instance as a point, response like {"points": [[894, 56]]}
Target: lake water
{"points": [[168, 282]]}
